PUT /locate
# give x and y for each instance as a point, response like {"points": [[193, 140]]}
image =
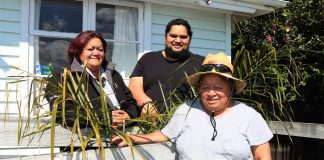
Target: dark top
{"points": [[122, 93], [170, 75]]}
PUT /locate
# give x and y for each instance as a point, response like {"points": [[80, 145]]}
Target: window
{"points": [[57, 22], [59, 15], [118, 24], [55, 16]]}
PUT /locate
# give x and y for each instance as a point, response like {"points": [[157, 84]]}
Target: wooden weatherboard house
{"points": [[34, 33]]}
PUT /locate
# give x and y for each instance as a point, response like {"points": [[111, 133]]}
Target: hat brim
{"points": [[194, 78]]}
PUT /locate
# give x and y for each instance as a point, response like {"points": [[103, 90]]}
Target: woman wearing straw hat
{"points": [[213, 126]]}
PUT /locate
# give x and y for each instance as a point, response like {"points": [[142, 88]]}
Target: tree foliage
{"points": [[297, 31]]}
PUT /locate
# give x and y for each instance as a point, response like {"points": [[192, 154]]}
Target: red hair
{"points": [[79, 42]]}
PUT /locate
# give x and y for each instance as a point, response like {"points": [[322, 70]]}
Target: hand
{"points": [[117, 141], [119, 117], [149, 109]]}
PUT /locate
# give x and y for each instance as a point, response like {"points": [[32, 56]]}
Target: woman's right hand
{"points": [[119, 118], [118, 142]]}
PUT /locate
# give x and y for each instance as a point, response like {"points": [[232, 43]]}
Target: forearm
{"points": [[154, 137], [136, 87], [143, 101], [140, 96]]}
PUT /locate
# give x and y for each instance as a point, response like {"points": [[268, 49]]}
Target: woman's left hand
{"points": [[118, 142], [119, 117]]}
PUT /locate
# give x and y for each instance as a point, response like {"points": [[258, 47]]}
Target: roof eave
{"points": [[244, 8]]}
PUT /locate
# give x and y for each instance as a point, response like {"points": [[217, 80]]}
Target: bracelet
{"points": [[145, 103]]}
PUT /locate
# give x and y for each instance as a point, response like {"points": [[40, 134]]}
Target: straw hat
{"points": [[219, 58]]}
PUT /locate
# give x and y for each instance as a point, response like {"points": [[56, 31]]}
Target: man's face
{"points": [[177, 38]]}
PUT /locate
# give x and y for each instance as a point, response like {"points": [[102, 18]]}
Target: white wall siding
{"points": [[9, 27], [12, 4], [9, 39], [8, 14], [9, 95], [9, 22], [10, 52], [209, 28]]}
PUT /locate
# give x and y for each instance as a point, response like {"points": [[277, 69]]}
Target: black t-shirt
{"points": [[160, 74]]}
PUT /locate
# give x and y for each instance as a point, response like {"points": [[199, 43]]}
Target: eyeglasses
{"points": [[218, 67], [213, 123]]}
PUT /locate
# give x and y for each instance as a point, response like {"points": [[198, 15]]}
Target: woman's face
{"points": [[177, 38], [94, 53], [214, 92]]}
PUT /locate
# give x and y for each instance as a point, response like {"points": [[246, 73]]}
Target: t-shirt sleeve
{"points": [[173, 129], [258, 131], [139, 68]]}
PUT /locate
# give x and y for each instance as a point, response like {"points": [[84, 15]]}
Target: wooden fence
{"points": [[40, 143]]}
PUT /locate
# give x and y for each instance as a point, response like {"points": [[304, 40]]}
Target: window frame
{"points": [[88, 18]]}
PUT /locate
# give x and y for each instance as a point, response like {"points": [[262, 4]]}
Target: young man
{"points": [[158, 79]]}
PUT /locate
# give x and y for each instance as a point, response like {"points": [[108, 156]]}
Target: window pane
{"points": [[54, 51], [60, 15], [109, 50], [125, 57], [117, 22], [105, 20]]}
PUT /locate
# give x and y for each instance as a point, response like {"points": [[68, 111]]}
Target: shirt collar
{"points": [[102, 71]]}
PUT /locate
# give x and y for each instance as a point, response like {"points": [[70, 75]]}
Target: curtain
{"points": [[125, 29]]}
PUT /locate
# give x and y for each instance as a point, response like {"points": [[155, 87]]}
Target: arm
{"points": [[137, 88], [259, 135], [128, 107], [261, 152], [154, 137], [125, 97]]}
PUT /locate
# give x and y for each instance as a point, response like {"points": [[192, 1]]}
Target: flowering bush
{"points": [[296, 29]]}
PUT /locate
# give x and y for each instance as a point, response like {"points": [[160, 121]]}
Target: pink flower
{"points": [[275, 27], [287, 23], [269, 38], [286, 38]]}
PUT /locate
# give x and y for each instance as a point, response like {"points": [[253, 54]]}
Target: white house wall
{"points": [[211, 33], [210, 29], [10, 51]]}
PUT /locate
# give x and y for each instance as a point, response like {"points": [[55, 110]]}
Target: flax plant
{"points": [[272, 78], [71, 101], [152, 122]]}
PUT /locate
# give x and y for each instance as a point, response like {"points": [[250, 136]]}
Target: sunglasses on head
{"points": [[218, 67]]}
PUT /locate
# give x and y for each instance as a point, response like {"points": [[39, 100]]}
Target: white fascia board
{"points": [[193, 4], [248, 7], [231, 7], [245, 4], [272, 3]]}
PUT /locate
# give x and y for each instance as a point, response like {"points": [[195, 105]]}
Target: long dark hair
{"points": [[79, 42]]}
